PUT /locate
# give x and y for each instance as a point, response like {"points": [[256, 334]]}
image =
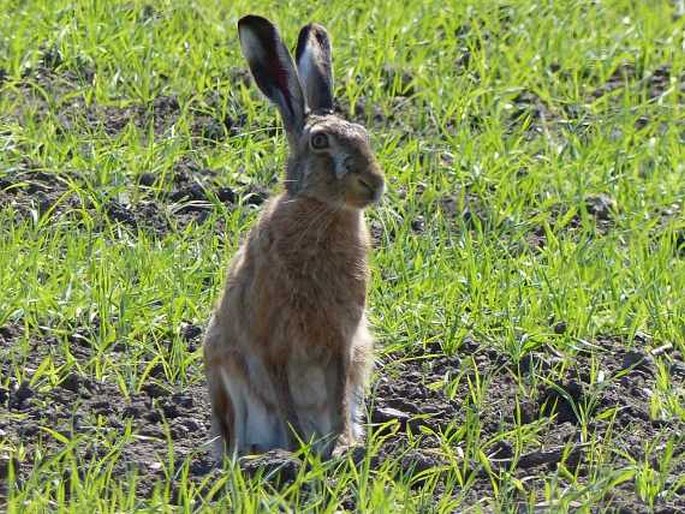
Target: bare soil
{"points": [[408, 396], [410, 393], [187, 197]]}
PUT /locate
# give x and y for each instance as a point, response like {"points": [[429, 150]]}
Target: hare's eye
{"points": [[319, 141]]}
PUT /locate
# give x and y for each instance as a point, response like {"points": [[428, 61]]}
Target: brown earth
{"points": [[188, 196], [409, 395], [567, 405]]}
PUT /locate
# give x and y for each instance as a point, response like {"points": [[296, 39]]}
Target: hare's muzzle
{"points": [[371, 185], [377, 189]]}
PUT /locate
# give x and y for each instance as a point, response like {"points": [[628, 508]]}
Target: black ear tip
{"points": [[309, 32], [302, 41], [314, 30], [252, 18], [255, 22], [318, 29], [321, 35]]}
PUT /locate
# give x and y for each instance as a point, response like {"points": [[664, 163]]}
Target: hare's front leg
{"points": [[338, 400], [358, 376], [226, 394], [246, 413], [286, 404], [319, 388]]}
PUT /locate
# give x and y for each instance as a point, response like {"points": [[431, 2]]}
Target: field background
{"points": [[528, 271]]}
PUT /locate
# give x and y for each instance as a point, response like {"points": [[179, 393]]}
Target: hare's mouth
{"points": [[366, 185], [370, 190]]}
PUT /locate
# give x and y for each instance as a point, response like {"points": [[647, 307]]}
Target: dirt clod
{"points": [[20, 395], [563, 401], [601, 207], [414, 395], [560, 327], [279, 467]]}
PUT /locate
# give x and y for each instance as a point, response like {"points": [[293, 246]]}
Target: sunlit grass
{"points": [[471, 179]]}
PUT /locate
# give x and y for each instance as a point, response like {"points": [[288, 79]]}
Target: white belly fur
{"points": [[256, 427], [312, 388], [312, 396]]}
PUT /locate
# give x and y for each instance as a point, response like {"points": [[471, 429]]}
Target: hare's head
{"points": [[330, 158]]}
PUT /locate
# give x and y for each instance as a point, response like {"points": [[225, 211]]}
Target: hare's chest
{"points": [[330, 279]]}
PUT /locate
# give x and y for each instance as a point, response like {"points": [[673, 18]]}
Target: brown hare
{"points": [[288, 351]]}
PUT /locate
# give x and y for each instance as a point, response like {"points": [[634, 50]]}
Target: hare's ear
{"points": [[313, 57], [273, 69]]}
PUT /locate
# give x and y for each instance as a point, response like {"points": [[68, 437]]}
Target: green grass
{"points": [[454, 143]]}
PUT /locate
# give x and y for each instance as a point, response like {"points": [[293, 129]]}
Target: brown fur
{"points": [[296, 289], [287, 351]]}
